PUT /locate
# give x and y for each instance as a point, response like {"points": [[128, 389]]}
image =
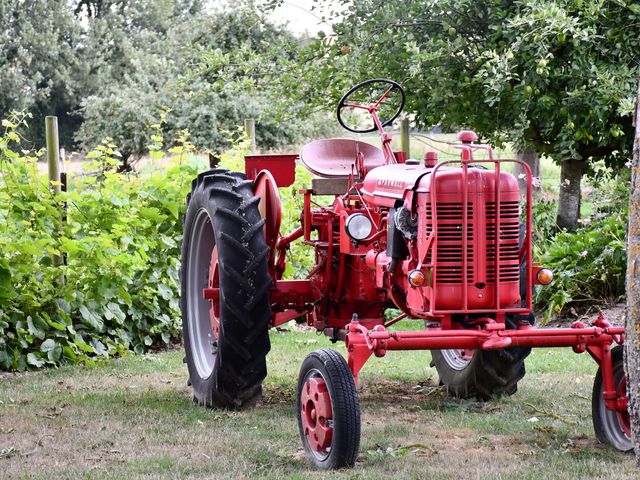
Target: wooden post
{"points": [[53, 160], [53, 153], [404, 137], [250, 131]]}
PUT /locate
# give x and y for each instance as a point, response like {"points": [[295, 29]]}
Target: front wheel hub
{"points": [[317, 414]]}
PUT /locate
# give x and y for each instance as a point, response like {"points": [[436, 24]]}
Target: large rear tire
{"points": [[226, 337], [481, 374]]}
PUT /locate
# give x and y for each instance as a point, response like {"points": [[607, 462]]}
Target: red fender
{"points": [[270, 208]]}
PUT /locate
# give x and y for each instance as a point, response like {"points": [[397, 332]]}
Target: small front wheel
{"points": [[328, 410], [612, 427]]}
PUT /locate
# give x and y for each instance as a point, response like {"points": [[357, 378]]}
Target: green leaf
{"points": [[6, 287], [52, 349], [91, 319], [173, 207], [56, 325], [113, 310], [37, 327], [165, 291], [99, 347], [150, 213], [33, 359]]}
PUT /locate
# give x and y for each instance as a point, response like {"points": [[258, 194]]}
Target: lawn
{"points": [[134, 418]]}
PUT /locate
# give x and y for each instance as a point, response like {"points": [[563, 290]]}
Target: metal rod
{"points": [[496, 249]]}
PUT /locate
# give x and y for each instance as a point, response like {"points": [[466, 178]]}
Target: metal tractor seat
{"points": [[336, 157]]}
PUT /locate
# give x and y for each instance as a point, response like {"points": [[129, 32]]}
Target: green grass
{"points": [[134, 418]]}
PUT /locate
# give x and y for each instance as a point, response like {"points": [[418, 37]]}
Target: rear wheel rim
{"points": [[214, 282], [615, 423], [202, 339], [457, 359], [623, 415], [316, 415]]}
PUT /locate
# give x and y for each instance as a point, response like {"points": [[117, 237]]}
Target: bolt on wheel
{"points": [[328, 410]]}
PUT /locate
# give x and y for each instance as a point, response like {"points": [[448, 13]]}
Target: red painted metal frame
{"points": [[386, 138], [597, 340]]}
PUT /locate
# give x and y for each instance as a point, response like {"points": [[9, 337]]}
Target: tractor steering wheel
{"points": [[370, 96]]}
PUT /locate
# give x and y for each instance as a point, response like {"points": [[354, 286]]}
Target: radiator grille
{"points": [[450, 258]]}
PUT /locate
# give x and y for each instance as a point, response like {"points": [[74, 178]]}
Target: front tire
{"points": [[611, 427], [226, 337], [328, 410]]}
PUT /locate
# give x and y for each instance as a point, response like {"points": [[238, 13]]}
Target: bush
{"points": [[121, 240], [590, 263]]}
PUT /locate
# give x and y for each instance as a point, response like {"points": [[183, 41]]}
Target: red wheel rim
{"points": [[623, 413], [214, 282], [316, 414]]}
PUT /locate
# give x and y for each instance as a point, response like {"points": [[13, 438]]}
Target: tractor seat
{"points": [[336, 157]]}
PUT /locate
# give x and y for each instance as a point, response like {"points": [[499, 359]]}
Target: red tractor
{"points": [[447, 243]]}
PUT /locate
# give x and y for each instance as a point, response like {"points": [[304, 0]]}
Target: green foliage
{"points": [[39, 63], [544, 226], [558, 77], [113, 68], [590, 263], [121, 240], [177, 73]]}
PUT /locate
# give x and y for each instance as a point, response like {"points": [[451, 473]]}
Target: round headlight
{"points": [[358, 226]]}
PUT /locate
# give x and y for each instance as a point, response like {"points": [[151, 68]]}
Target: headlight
{"points": [[358, 226]]}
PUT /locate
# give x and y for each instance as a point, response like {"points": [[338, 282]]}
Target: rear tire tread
{"points": [[243, 342], [490, 373]]}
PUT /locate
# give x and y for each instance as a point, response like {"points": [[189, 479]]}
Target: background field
{"points": [[134, 418]]}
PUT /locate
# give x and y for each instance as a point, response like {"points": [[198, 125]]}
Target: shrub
{"points": [[121, 240], [590, 263]]}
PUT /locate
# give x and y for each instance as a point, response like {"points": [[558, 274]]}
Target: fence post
{"points": [[53, 160], [250, 131], [404, 136]]}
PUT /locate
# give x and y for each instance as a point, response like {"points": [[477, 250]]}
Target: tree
{"points": [[38, 64], [555, 77], [177, 74], [632, 328]]}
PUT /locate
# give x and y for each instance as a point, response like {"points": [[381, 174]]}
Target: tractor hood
{"points": [[384, 186]]}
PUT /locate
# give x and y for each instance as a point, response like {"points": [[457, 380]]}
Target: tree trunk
{"points": [[531, 158], [632, 327], [569, 201]]}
